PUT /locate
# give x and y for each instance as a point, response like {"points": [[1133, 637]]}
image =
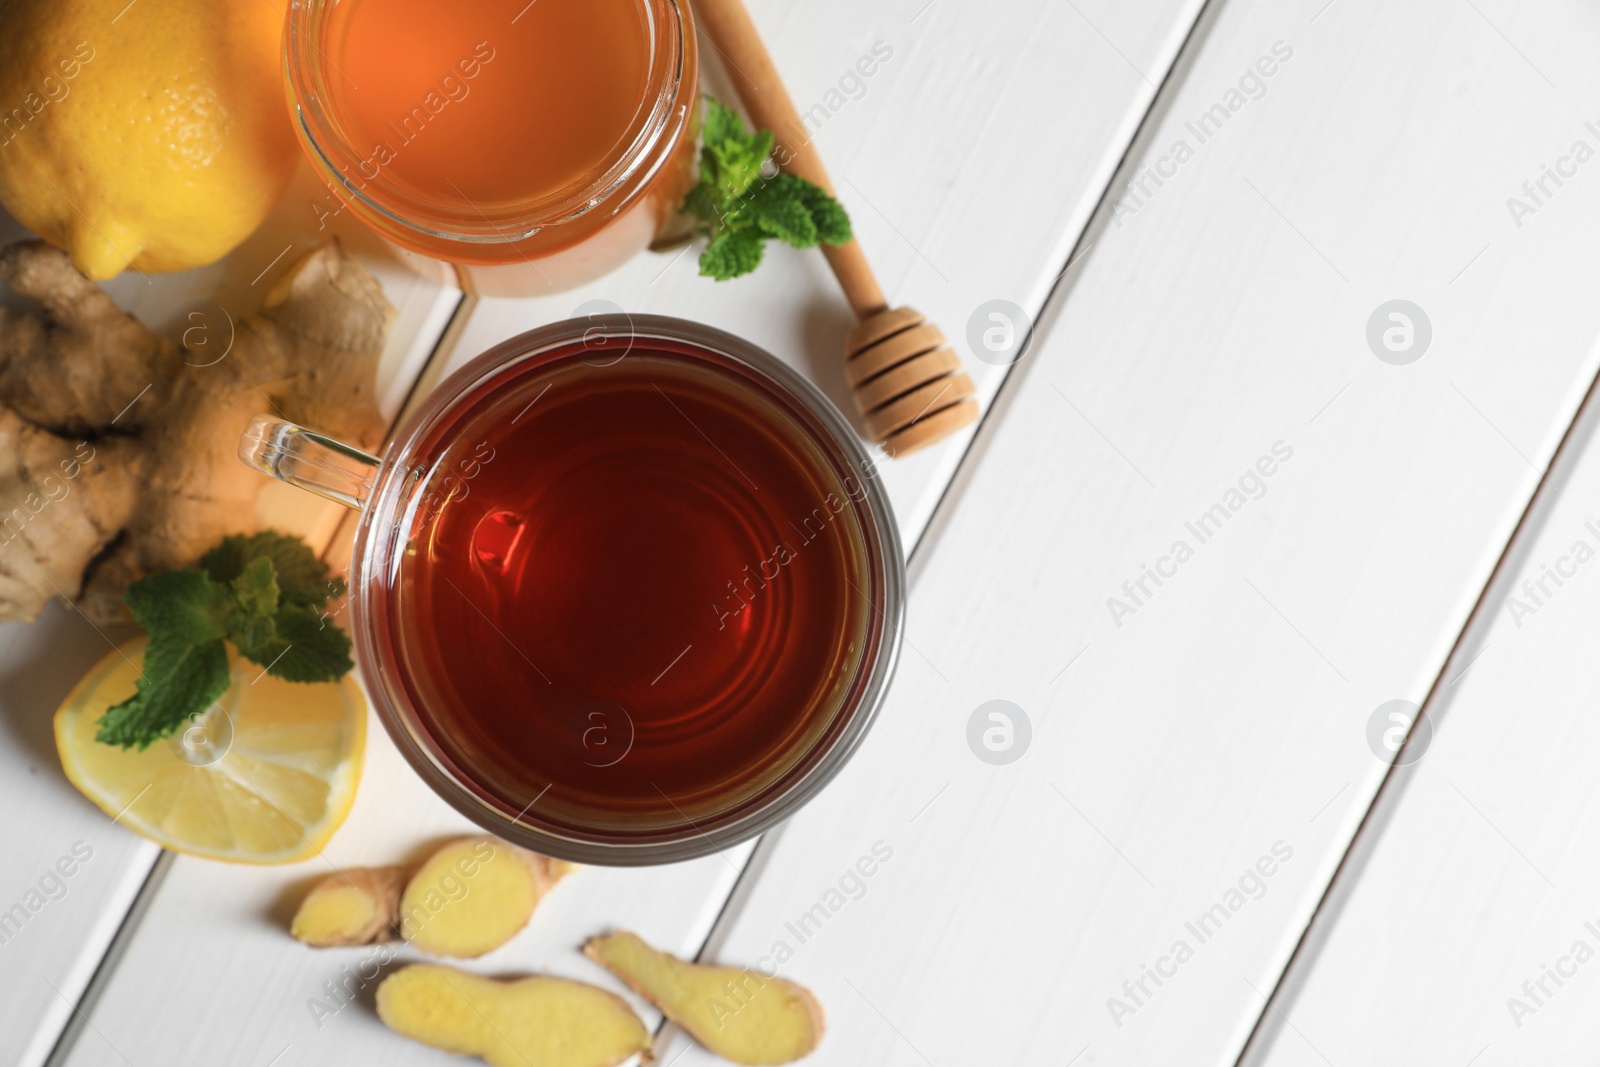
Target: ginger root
{"points": [[537, 1021], [469, 897], [354, 907], [119, 452], [740, 1015], [46, 536], [473, 896]]}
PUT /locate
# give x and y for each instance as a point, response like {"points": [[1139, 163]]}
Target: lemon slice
{"points": [[265, 775]]}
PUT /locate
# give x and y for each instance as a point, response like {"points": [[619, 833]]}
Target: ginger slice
{"points": [[738, 1014], [473, 895], [526, 1022], [469, 897], [354, 907]]}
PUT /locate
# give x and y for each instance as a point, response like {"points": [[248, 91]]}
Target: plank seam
{"points": [[1061, 287], [106, 968], [1365, 835]]}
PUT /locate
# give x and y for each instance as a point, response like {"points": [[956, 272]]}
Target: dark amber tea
{"points": [[627, 592]]}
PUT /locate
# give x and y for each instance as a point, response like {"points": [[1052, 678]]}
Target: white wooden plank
{"points": [[253, 996], [1475, 874], [1172, 753], [49, 949], [45, 966], [1444, 910]]}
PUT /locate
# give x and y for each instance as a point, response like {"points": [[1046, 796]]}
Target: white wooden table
{"points": [[1209, 531]]}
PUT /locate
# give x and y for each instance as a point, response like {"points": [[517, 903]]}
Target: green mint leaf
{"points": [[306, 647], [180, 680], [265, 593], [732, 156], [722, 123], [253, 597], [703, 203], [827, 214], [180, 607], [731, 254], [185, 663], [734, 167], [779, 210], [737, 208], [227, 561], [303, 578]]}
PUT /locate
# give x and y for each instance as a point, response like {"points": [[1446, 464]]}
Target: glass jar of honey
{"points": [[534, 144]]}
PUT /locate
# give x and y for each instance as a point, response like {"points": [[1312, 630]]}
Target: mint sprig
{"points": [[739, 209], [264, 593]]}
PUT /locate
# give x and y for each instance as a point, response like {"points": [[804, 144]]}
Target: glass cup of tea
{"points": [[625, 590]]}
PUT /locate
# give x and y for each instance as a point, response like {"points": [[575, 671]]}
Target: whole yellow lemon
{"points": [[150, 134]]}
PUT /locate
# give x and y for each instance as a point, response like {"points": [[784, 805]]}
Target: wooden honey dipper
{"points": [[907, 383]]}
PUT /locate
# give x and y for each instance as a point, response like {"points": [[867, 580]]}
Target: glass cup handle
{"points": [[308, 460]]}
